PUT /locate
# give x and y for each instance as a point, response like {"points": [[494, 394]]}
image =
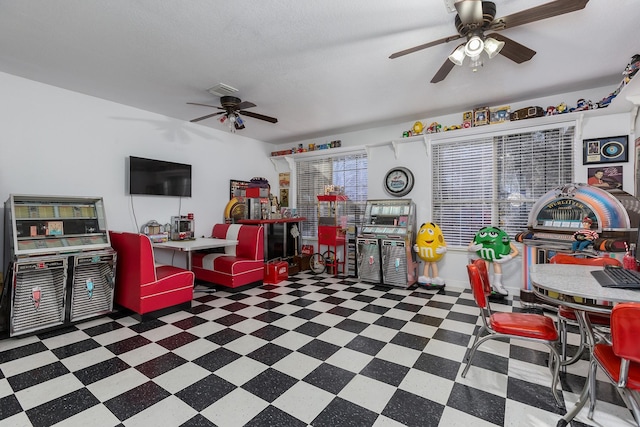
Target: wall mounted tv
{"points": [[159, 178]]}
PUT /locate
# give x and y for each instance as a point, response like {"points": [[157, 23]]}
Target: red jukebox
{"points": [[558, 214]]}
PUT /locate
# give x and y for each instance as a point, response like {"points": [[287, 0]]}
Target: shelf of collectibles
{"points": [[59, 262]]}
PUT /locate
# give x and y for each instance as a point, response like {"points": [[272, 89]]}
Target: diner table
{"points": [[192, 245], [574, 286]]}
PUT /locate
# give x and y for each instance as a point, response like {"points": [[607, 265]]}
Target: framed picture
{"points": [[614, 149], [284, 179], [481, 116], [607, 177], [284, 197], [235, 186]]}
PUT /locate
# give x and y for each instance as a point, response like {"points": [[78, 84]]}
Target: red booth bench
{"points": [[140, 285], [238, 265]]}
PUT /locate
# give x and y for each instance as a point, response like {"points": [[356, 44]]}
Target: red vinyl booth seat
{"points": [[140, 285], [239, 265]]}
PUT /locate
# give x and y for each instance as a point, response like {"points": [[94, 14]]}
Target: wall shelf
{"points": [[626, 101]]}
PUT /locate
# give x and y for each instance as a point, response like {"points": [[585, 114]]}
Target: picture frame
{"points": [[481, 116], [613, 149], [607, 177], [500, 114]]}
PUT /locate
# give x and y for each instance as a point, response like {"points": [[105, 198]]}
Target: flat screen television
{"points": [[159, 178]]}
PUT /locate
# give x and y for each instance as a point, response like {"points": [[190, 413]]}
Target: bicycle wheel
{"points": [[317, 263], [329, 257]]}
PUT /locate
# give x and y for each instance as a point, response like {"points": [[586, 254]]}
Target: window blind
{"points": [[495, 180], [348, 171]]}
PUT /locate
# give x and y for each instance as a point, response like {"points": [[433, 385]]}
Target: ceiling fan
{"points": [[232, 108], [475, 17]]}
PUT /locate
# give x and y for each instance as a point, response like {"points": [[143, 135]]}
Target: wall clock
{"points": [[398, 181]]}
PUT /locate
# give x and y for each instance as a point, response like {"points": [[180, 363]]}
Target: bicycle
{"points": [[318, 263]]}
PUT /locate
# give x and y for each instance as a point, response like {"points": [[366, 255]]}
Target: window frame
{"points": [[306, 204], [490, 207]]}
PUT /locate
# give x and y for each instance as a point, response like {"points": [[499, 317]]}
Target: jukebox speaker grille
{"points": [[92, 291], [369, 260], [394, 263], [38, 297]]}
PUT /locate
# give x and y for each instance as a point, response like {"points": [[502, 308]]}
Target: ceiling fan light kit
{"points": [[474, 17], [492, 46], [458, 55], [232, 107], [474, 47]]}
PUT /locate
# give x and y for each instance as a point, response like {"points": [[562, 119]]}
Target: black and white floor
{"points": [[310, 351]]}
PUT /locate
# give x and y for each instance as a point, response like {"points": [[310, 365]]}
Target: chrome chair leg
{"points": [[562, 329], [472, 353], [593, 367], [554, 366]]}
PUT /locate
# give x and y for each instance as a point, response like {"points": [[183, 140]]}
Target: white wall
{"points": [[413, 153], [58, 142]]}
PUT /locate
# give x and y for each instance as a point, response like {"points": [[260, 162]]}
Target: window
{"points": [[347, 171], [495, 180]]}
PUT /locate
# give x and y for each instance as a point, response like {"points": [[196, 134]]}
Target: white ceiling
{"points": [[321, 67]]}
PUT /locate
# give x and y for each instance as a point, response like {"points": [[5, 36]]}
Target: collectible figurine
{"points": [[434, 127], [584, 237], [430, 247], [562, 108], [494, 246], [418, 127], [583, 105]]}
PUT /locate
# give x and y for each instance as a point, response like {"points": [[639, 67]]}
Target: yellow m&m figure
{"points": [[430, 247]]}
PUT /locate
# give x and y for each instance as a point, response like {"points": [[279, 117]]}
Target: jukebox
{"points": [[384, 245], [559, 213], [59, 262]]}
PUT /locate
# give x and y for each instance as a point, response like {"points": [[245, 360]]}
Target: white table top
{"points": [[196, 244], [576, 280]]}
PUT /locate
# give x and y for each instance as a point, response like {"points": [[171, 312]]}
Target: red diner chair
{"points": [[525, 326], [620, 359], [567, 315], [484, 274]]}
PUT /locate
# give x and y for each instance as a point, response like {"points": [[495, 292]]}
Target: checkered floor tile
{"points": [[310, 351]]}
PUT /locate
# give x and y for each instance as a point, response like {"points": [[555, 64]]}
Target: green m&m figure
{"points": [[495, 243]]}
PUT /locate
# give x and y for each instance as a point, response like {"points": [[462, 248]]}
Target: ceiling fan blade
{"points": [[207, 116], [444, 71], [243, 105], [538, 13], [513, 50], [424, 46], [205, 105], [259, 116], [469, 11]]}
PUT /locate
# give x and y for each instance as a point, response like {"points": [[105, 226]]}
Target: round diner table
{"points": [[574, 286]]}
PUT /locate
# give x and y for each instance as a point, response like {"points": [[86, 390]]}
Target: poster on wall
{"points": [[607, 177], [284, 179], [284, 197], [613, 149]]}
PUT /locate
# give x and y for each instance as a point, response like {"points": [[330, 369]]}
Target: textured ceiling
{"points": [[320, 67]]}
